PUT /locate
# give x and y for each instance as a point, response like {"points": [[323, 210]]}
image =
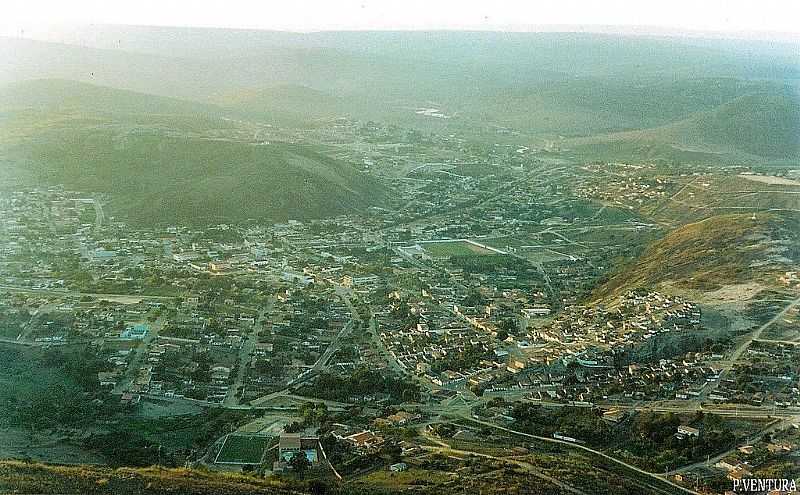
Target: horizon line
{"points": [[642, 30]]}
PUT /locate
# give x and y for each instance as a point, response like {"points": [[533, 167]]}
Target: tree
{"points": [[314, 413], [299, 463], [393, 451], [509, 325], [318, 487], [293, 427]]}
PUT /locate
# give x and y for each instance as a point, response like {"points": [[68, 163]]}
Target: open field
{"points": [[721, 194], [445, 249], [241, 449], [772, 180], [540, 249]]}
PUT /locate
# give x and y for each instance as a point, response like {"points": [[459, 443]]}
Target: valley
{"points": [[271, 264]]}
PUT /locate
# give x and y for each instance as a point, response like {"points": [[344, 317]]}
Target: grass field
{"points": [[445, 249], [241, 449]]}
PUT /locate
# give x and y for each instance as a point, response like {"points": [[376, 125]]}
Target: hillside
{"points": [[590, 106], [761, 124], [514, 476], [166, 160], [53, 95], [19, 477], [210, 75], [290, 104], [516, 57], [706, 255], [152, 175], [543, 85]]}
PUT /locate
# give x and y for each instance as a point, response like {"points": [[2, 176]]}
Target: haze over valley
{"points": [[352, 262]]}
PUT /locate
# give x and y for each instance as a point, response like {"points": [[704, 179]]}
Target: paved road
{"points": [[727, 364], [99, 215], [784, 342], [320, 364], [387, 357], [26, 343], [28, 328], [74, 293], [245, 353], [721, 409], [139, 355]]}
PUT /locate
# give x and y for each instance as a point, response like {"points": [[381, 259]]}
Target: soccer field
{"points": [[445, 249], [241, 449]]}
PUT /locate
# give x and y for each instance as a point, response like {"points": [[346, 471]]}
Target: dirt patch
{"points": [[120, 299], [733, 294], [771, 180], [155, 408], [270, 424]]}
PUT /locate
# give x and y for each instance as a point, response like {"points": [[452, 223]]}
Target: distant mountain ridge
{"points": [[67, 95], [136, 102], [546, 86]]}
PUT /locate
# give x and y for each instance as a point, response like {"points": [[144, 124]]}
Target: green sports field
{"points": [[445, 249], [241, 449]]}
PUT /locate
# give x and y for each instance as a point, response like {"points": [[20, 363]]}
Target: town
{"points": [[466, 312]]}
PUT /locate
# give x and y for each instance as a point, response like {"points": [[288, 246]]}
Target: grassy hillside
{"points": [[554, 474], [64, 95], [291, 104], [588, 106], [762, 124], [19, 477], [154, 176], [706, 255], [167, 160], [765, 124]]}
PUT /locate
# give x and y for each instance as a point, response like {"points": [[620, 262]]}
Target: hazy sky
{"points": [[729, 16]]}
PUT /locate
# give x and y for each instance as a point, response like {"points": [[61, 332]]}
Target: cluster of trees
{"points": [[492, 264], [474, 298], [653, 442], [125, 448], [469, 357], [313, 414], [57, 388], [349, 462], [203, 372], [648, 439], [164, 441], [12, 322], [362, 382], [577, 422], [299, 463], [401, 311], [272, 367]]}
